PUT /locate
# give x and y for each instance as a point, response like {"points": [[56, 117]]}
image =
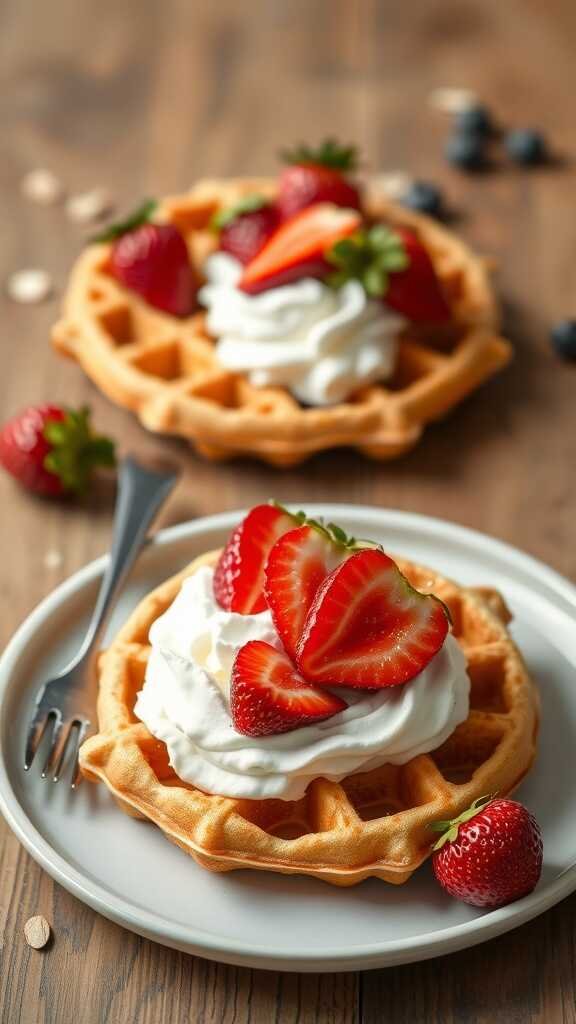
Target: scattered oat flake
{"points": [[53, 559], [89, 206], [393, 183], [42, 187], [452, 101], [37, 931], [29, 286]]}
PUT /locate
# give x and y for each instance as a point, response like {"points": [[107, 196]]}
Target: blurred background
{"points": [[142, 98]]}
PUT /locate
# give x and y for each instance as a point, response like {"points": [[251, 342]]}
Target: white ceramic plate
{"points": [[127, 871]]}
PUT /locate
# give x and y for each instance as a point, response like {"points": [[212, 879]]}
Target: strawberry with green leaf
{"points": [[317, 176], [244, 228], [152, 260], [52, 450], [391, 264]]}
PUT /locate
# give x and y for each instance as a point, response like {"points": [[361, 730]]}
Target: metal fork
{"points": [[62, 703]]}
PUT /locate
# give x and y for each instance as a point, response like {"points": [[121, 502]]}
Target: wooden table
{"points": [[145, 97]]}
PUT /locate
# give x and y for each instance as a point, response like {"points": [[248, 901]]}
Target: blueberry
{"points": [[564, 339], [423, 197], [465, 150], [475, 121], [526, 146]]}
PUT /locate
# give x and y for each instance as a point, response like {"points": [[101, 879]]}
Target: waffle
{"points": [[370, 824], [165, 370]]}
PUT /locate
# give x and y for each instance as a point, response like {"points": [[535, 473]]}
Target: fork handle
{"points": [[141, 492]]}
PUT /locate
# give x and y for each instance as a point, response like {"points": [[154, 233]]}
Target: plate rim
{"points": [[235, 951]]}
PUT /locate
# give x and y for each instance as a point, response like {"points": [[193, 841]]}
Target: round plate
{"points": [[126, 870]]}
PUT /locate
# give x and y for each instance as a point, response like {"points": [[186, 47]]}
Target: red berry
{"points": [[246, 234], [267, 696], [239, 574], [416, 292], [368, 627], [298, 563], [303, 185], [153, 261], [490, 855], [51, 450]]}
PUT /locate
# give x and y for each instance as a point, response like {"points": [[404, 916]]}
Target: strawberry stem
{"points": [[334, 533], [368, 256], [329, 153], [141, 215], [76, 450], [449, 829]]}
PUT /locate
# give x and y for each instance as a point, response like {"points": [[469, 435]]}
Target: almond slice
{"points": [[37, 931], [42, 186], [29, 286]]}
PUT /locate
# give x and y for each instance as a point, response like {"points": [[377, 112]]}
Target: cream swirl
{"points": [[319, 342], [184, 702]]}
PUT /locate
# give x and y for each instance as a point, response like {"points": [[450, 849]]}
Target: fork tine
{"points": [[55, 719], [57, 756], [35, 735], [76, 779]]}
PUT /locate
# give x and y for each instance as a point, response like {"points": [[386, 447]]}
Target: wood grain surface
{"points": [[144, 97]]}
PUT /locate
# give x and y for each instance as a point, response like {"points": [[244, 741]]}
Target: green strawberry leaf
{"points": [[369, 256], [329, 153], [140, 216], [248, 204], [449, 829], [333, 532], [75, 450]]}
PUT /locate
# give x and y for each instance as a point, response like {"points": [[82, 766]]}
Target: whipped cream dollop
{"points": [[185, 703], [321, 343]]}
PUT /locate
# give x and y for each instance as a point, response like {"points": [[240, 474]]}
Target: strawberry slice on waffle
{"points": [[239, 573], [298, 563], [368, 627], [268, 696]]}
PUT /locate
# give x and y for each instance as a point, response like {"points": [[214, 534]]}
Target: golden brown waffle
{"points": [[165, 370], [371, 824]]}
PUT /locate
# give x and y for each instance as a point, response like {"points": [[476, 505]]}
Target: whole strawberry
{"points": [[490, 855], [51, 450], [245, 228], [317, 176], [391, 264], [152, 260]]}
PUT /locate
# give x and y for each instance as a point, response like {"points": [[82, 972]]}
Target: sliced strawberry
{"points": [[239, 574], [298, 563], [368, 627], [416, 292], [298, 248], [267, 696]]}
